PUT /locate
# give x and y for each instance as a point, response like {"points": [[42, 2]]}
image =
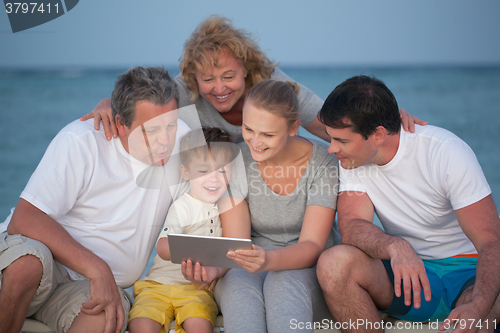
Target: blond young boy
{"points": [[164, 294]]}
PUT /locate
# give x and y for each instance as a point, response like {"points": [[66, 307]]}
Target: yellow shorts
{"points": [[162, 303]]}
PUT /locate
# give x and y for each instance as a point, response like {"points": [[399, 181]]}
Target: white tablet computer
{"points": [[207, 250]]}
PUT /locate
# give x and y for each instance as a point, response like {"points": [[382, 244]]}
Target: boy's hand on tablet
{"points": [[202, 275]]}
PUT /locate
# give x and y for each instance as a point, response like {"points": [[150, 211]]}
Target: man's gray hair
{"points": [[152, 84]]}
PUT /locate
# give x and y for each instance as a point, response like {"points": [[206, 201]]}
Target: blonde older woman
{"points": [[219, 64]]}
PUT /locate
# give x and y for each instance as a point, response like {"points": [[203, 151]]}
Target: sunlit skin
{"points": [[353, 150], [151, 136], [206, 184], [266, 134], [224, 87]]}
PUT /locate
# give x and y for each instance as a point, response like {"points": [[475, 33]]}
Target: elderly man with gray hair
{"points": [[85, 226]]}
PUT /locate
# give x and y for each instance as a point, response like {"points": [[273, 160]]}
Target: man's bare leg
{"points": [[19, 284], [494, 316], [354, 285], [85, 323]]}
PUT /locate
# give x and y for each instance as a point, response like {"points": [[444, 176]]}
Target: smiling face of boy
{"points": [[208, 177]]}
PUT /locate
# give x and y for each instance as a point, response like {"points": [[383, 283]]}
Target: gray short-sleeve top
{"points": [[277, 219]]}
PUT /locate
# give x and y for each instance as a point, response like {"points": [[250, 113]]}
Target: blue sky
{"points": [[117, 33]]}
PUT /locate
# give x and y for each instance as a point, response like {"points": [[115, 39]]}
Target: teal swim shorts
{"points": [[448, 279]]}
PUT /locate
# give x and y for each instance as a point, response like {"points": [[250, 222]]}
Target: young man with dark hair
{"points": [[441, 240]]}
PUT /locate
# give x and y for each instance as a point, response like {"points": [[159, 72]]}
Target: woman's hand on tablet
{"points": [[253, 260]]}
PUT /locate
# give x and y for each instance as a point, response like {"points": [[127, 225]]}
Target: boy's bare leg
{"points": [[354, 285], [19, 283], [196, 324], [144, 325]]}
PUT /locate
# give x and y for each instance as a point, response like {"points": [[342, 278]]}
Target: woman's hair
{"points": [[217, 34], [277, 97]]}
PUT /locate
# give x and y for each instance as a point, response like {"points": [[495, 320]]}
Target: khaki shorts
{"points": [[58, 298], [162, 303]]}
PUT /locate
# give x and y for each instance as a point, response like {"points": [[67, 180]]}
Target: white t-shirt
{"points": [[187, 215], [416, 194], [90, 186]]}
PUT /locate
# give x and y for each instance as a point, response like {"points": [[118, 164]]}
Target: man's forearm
{"points": [[487, 285], [371, 239], [481, 224], [31, 222]]}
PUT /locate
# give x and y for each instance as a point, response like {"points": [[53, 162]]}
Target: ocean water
{"points": [[36, 104]]}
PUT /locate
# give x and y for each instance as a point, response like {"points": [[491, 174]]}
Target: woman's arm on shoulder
{"points": [[102, 112], [408, 121], [317, 128]]}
